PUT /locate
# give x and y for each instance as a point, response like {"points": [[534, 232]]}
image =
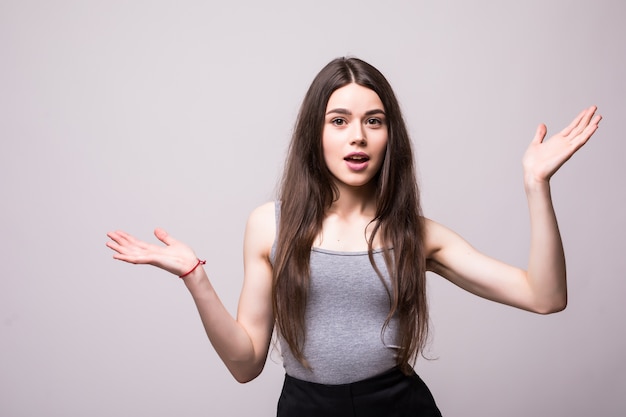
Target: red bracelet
{"points": [[192, 269]]}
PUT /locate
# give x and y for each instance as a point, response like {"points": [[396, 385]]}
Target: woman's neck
{"points": [[354, 201], [348, 222]]}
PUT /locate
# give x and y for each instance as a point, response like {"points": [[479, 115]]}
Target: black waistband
{"points": [[363, 387]]}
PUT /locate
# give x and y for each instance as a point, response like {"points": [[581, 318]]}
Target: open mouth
{"points": [[357, 158], [357, 161]]}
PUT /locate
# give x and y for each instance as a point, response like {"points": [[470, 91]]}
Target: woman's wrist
{"points": [[533, 184], [194, 276], [190, 271]]}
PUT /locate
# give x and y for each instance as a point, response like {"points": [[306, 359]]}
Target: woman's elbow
{"points": [[554, 306], [243, 376], [244, 379]]}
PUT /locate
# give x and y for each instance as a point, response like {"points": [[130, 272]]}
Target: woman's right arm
{"points": [[242, 342]]}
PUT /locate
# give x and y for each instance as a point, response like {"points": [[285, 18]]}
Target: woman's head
{"points": [[306, 148], [309, 126]]}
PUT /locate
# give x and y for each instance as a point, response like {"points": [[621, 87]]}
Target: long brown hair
{"points": [[307, 192]]}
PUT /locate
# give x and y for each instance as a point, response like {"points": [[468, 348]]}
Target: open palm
{"points": [[174, 257], [544, 157]]}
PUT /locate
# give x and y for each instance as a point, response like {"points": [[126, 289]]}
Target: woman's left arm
{"points": [[542, 288]]}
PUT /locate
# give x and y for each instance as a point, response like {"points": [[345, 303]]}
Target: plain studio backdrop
{"points": [[137, 114]]}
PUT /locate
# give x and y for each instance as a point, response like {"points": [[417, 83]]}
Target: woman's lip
{"points": [[357, 155], [357, 161], [355, 165]]}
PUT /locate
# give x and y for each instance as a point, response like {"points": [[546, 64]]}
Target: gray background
{"points": [[131, 115]]}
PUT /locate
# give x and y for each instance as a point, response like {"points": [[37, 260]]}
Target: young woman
{"points": [[337, 264]]}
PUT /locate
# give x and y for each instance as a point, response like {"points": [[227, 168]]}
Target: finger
{"points": [[164, 237], [121, 236], [118, 237], [126, 243], [132, 243], [579, 123], [585, 121], [120, 254], [113, 245], [573, 124], [132, 240], [130, 254], [122, 249], [586, 134], [540, 134], [130, 259]]}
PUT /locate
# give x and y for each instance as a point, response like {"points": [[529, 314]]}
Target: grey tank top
{"points": [[345, 313]]}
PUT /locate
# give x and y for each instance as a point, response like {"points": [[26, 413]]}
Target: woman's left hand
{"points": [[544, 157]]}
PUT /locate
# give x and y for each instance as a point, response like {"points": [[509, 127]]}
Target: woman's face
{"points": [[354, 138]]}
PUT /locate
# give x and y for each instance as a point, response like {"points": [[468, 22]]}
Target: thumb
{"points": [[163, 236], [540, 134]]}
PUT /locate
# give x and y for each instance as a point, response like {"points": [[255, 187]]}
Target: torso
{"points": [[346, 310], [345, 314]]}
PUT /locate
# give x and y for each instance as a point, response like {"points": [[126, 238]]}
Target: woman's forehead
{"points": [[354, 96]]}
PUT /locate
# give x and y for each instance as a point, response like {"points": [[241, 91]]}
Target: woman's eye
{"points": [[374, 121], [338, 122]]}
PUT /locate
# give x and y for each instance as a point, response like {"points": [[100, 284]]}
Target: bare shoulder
{"points": [[261, 228], [264, 217], [439, 238], [434, 234]]}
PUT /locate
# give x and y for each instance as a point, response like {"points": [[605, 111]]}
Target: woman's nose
{"points": [[359, 136]]}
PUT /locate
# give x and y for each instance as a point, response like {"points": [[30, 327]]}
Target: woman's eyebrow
{"points": [[375, 111], [348, 112]]}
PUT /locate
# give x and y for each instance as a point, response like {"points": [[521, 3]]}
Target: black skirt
{"points": [[391, 394]]}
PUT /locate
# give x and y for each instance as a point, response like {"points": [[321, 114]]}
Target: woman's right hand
{"points": [[174, 257]]}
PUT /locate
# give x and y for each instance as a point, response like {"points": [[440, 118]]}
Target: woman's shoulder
{"points": [[266, 212], [439, 239], [261, 226], [435, 234]]}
